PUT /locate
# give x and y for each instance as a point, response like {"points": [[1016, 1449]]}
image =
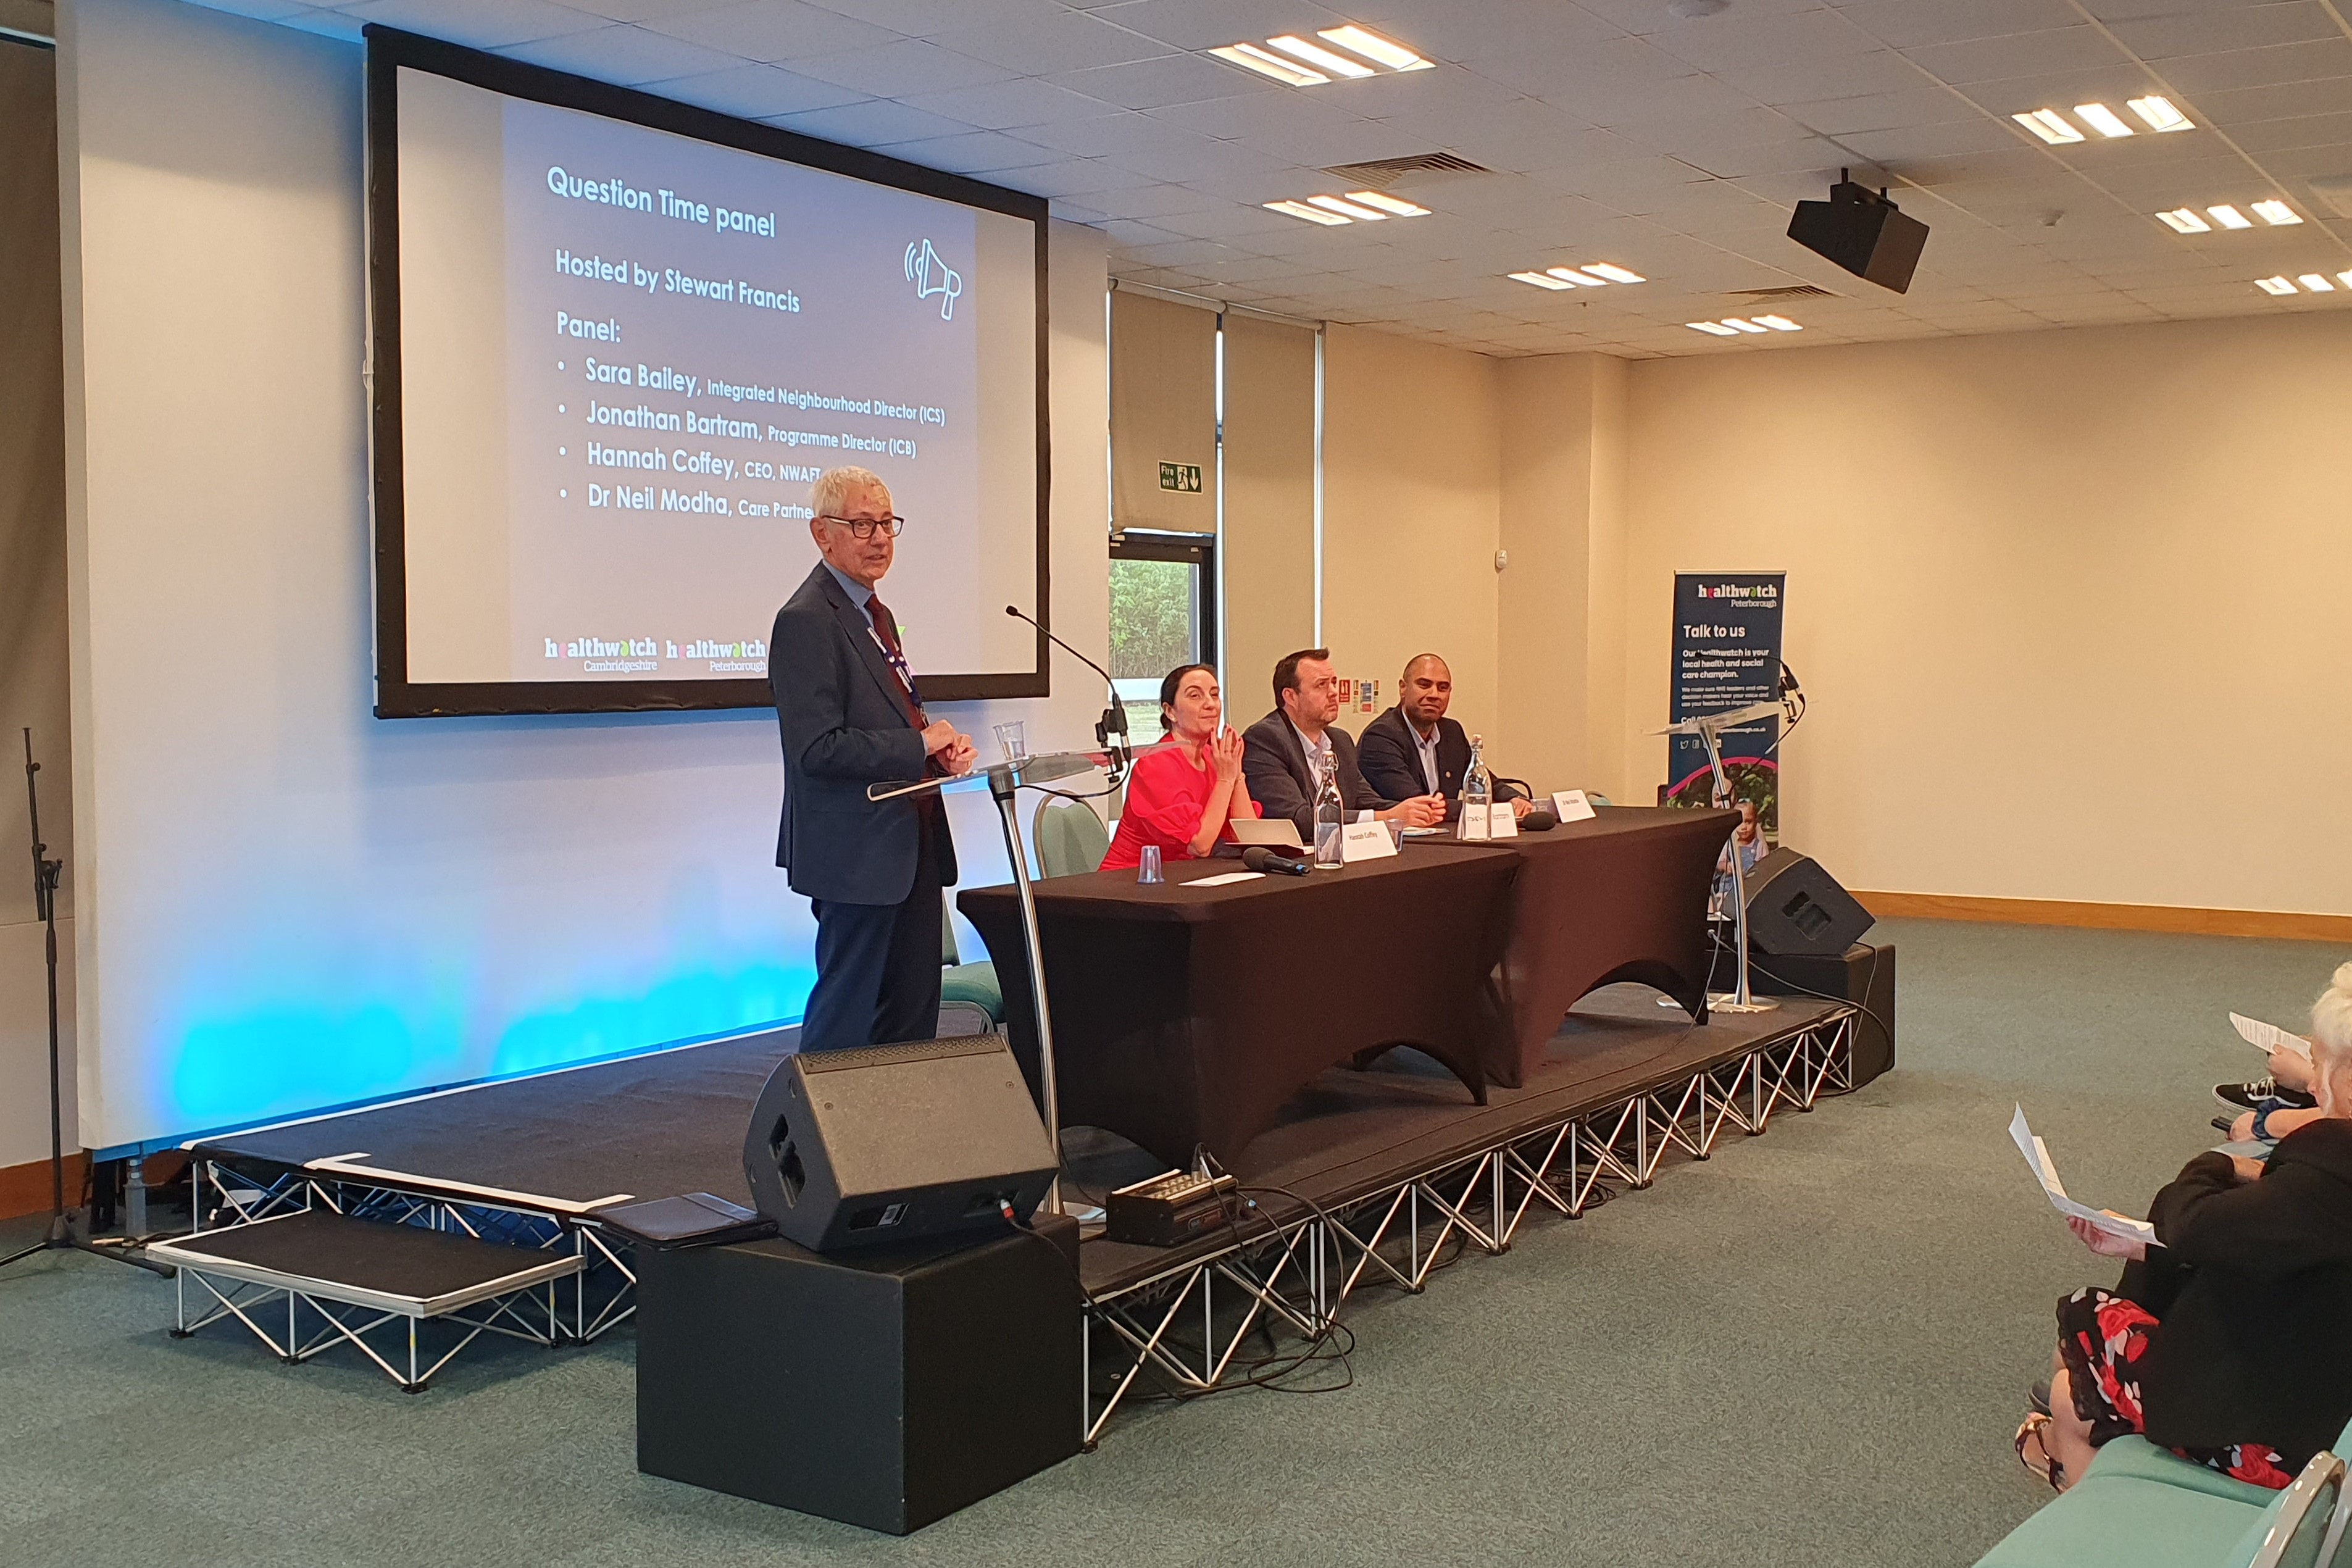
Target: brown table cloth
{"points": [[1622, 897], [1187, 1017]]}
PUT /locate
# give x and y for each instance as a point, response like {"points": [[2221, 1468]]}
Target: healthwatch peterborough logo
{"points": [[931, 277]]}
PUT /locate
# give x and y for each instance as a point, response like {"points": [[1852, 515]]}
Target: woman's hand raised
{"points": [[1225, 753]]}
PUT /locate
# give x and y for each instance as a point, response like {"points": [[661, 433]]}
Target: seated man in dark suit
{"points": [[1414, 747], [1284, 751]]}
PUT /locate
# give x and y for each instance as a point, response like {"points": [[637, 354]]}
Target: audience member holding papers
{"points": [[1286, 748], [1185, 793], [1414, 749], [2229, 1340], [2270, 1108]]}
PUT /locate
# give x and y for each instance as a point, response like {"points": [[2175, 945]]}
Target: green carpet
{"points": [[1809, 1350]]}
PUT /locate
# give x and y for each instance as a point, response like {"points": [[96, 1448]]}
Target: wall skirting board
{"points": [[2109, 917], [25, 1189]]}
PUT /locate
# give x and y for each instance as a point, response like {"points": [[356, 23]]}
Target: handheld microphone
{"points": [[1540, 820], [1114, 718], [1258, 857]]}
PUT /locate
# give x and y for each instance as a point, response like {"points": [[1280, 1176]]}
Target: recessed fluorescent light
{"points": [[1778, 324], [1252, 57], [2102, 118], [2273, 284], [1396, 206], [1615, 273], [2048, 125], [2317, 282], [2184, 220], [1738, 324], [1573, 275], [2278, 214], [1716, 328], [1350, 209], [1541, 279], [1300, 210], [2345, 278], [1373, 48], [1318, 57], [2160, 114], [2229, 216]]}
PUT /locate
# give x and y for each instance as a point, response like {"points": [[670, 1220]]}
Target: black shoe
{"points": [[2038, 1397], [2251, 1096]]}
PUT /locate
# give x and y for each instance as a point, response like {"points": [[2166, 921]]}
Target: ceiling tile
{"points": [[478, 23], [2078, 47], [876, 122], [1072, 41], [757, 92], [773, 30], [627, 55]]}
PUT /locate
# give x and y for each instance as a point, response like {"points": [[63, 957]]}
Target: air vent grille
{"points": [[1385, 171], [1785, 292]]}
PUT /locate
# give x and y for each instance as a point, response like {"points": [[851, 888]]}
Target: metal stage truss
{"points": [[600, 1292], [1182, 1330]]}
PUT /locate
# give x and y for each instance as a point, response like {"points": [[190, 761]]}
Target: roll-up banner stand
{"points": [[1726, 655]]}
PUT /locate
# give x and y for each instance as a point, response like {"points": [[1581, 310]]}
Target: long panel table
{"points": [[1621, 897], [1188, 1016]]}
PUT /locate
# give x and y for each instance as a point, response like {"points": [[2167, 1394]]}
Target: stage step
{"points": [[344, 1268]]}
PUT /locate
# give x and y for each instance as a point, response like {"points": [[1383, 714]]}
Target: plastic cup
{"points": [[1014, 736], [1147, 869]]}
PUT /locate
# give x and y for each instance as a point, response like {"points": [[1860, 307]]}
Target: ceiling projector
{"points": [[1862, 232]]}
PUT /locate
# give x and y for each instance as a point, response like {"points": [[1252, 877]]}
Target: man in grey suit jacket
{"points": [[1283, 754], [850, 716]]}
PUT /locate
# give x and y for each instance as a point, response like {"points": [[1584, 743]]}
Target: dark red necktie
{"points": [[886, 631]]}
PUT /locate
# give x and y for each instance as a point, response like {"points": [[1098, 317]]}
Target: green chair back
{"points": [[1071, 839], [2299, 1525]]}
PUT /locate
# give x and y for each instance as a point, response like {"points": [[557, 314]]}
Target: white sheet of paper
{"points": [[1365, 841], [2037, 1156], [1227, 879], [1502, 822], [1569, 805], [2268, 1037]]}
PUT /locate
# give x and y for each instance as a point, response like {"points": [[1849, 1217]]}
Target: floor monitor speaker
{"points": [[897, 1143], [1797, 909]]}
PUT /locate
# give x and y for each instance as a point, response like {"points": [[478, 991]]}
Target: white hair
{"points": [[2331, 1044], [836, 487]]}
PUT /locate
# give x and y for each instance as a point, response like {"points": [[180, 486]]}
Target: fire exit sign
{"points": [[1184, 476]]}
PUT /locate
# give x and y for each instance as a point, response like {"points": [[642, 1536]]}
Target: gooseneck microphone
{"points": [[1258, 857], [1114, 718]]}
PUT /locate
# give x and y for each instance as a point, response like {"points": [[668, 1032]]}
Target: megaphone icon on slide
{"points": [[930, 275]]}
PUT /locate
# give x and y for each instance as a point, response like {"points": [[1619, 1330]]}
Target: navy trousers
{"points": [[877, 965]]}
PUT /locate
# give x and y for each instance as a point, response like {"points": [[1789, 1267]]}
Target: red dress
{"points": [[1166, 795]]}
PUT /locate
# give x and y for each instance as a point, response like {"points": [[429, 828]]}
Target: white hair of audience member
{"points": [[837, 487], [2331, 1044]]}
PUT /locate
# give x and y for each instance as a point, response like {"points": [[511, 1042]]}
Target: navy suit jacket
{"points": [[845, 726], [1392, 762], [1274, 763]]}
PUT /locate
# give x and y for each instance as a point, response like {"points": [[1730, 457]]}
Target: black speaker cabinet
{"points": [[1861, 976], [894, 1143], [884, 1389], [1862, 232], [1797, 909]]}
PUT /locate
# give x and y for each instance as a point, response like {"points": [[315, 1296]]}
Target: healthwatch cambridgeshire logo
{"points": [[933, 278]]}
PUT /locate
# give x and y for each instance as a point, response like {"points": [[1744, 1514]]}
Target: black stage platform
{"points": [[568, 1142]]}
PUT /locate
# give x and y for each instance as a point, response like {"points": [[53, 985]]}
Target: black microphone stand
{"points": [[46, 875], [1113, 721]]}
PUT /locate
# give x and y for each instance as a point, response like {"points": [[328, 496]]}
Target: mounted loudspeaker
{"points": [[1862, 232]]}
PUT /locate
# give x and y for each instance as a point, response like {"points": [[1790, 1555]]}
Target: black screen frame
{"points": [[397, 697]]}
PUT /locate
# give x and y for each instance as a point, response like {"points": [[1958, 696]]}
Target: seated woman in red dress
{"points": [[1185, 791]]}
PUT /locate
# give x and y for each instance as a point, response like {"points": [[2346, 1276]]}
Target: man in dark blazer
{"points": [[1283, 753], [850, 717], [1414, 747]]}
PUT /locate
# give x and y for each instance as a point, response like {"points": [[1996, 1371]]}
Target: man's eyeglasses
{"points": [[864, 527]]}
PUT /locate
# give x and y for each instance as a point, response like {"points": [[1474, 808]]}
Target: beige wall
{"points": [[2070, 606], [1412, 515], [1560, 625]]}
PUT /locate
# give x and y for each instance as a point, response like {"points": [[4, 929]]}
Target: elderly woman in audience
{"points": [[2227, 1342]]}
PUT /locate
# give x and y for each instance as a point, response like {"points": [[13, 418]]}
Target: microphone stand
{"points": [[1113, 723], [47, 874]]}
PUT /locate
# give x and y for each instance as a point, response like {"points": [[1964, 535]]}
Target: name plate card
{"points": [[1569, 805], [1365, 841], [1502, 822]]}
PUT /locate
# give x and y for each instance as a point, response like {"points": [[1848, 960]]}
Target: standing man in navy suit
{"points": [[846, 704]]}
